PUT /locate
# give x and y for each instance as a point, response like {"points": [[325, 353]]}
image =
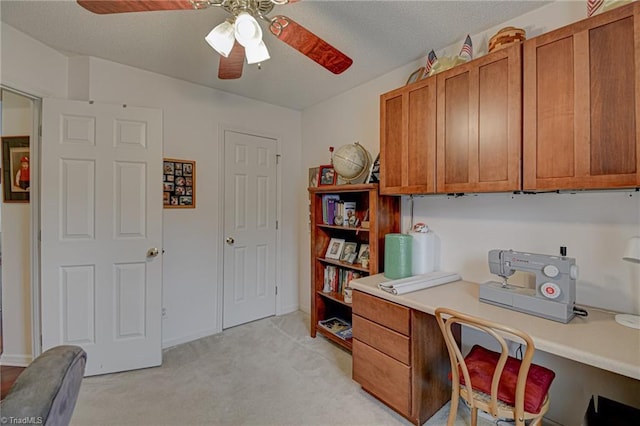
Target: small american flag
{"points": [[467, 49], [431, 58], [593, 6]]}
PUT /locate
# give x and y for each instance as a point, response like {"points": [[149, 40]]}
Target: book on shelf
{"points": [[331, 211], [326, 210], [336, 278], [337, 326], [345, 334]]}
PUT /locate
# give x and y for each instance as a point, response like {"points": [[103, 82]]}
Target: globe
{"points": [[351, 162]]}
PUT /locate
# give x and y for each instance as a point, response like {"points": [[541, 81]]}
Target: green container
{"points": [[397, 256]]}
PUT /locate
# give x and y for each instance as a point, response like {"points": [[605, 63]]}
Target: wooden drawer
{"points": [[384, 377], [387, 314], [387, 341]]}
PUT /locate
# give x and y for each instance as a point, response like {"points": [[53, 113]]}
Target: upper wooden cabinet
{"points": [[582, 104], [479, 124], [408, 139]]}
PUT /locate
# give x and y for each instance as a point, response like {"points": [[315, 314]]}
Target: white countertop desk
{"points": [[596, 340]]}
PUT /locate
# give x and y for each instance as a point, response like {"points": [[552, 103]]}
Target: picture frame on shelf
{"points": [[313, 177], [16, 169], [363, 252], [326, 175], [334, 250], [349, 252], [374, 172]]}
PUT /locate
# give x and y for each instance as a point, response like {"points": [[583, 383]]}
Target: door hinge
{"points": [[276, 290], [278, 158], [277, 224], [40, 130]]}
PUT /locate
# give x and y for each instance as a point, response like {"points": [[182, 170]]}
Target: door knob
{"points": [[230, 240], [153, 252]]}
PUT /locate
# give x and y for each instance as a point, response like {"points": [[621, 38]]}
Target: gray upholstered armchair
{"points": [[46, 391]]}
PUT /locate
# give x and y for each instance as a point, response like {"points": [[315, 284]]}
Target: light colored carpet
{"points": [[268, 372]]}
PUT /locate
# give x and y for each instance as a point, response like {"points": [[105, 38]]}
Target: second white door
{"points": [[249, 228]]}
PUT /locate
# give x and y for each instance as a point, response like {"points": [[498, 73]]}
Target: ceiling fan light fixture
{"points": [[221, 38], [247, 30], [257, 53]]}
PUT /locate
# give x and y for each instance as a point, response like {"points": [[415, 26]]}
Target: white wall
{"points": [[593, 225], [593, 232], [16, 276], [31, 67], [193, 117]]}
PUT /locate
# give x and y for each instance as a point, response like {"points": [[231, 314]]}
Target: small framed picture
{"points": [[326, 175], [349, 252], [16, 169], [334, 250], [313, 177], [416, 75], [363, 253], [179, 183]]}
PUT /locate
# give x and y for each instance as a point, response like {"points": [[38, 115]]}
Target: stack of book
{"points": [[337, 278], [333, 207], [337, 326]]}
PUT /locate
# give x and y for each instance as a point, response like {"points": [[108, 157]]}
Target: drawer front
{"points": [[388, 314], [387, 341], [384, 377]]}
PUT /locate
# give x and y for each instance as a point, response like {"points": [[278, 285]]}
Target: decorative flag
{"points": [[467, 49], [431, 59], [593, 6]]}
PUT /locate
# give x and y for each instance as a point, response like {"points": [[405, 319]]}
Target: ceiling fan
{"points": [[240, 35]]}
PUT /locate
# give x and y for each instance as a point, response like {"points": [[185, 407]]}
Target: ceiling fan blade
{"points": [[231, 67], [309, 44], [121, 6]]}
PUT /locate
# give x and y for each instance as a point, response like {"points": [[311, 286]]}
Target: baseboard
{"points": [[15, 360], [190, 338], [287, 310], [206, 333]]}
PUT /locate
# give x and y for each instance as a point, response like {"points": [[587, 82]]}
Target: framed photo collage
{"points": [[179, 184]]}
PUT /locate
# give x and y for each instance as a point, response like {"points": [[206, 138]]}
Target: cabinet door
{"points": [[582, 104], [407, 139], [479, 124]]}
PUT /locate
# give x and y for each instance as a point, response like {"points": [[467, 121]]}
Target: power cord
{"points": [[581, 312]]}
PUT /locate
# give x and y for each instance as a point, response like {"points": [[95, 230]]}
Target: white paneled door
{"points": [[250, 228], [101, 201]]}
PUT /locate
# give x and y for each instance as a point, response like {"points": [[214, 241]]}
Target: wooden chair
{"points": [[501, 385]]}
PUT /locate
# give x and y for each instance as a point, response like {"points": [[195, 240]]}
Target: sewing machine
{"points": [[555, 290]]}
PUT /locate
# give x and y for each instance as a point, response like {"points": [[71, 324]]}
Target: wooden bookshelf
{"points": [[383, 218]]}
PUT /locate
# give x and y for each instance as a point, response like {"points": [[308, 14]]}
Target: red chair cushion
{"points": [[481, 363]]}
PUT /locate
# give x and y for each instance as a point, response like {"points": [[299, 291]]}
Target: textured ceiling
{"points": [[378, 35]]}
